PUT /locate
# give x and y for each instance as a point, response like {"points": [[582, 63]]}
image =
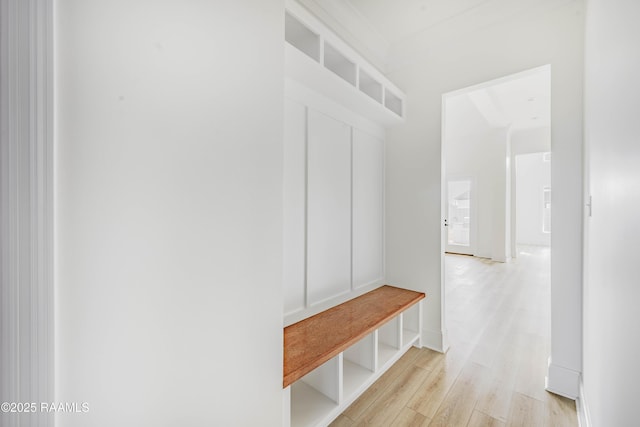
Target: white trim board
{"points": [[26, 196], [497, 81], [584, 419], [301, 94], [562, 381], [435, 340]]}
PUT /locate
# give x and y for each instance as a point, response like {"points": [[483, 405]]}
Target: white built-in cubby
{"points": [[319, 59], [317, 394], [389, 339], [411, 321], [336, 110], [359, 364]]}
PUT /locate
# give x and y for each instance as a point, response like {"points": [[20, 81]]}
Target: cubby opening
{"points": [[388, 341], [392, 102], [370, 86], [317, 394], [301, 37], [339, 64], [411, 325], [359, 365]]}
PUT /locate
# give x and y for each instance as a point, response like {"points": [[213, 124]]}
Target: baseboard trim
{"points": [[434, 340], [562, 381], [584, 419]]}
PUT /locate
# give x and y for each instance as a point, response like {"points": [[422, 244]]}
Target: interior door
{"points": [[460, 235]]}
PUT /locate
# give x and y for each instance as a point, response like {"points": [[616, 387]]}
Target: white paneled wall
{"points": [[294, 177], [333, 209], [368, 209], [328, 208]]}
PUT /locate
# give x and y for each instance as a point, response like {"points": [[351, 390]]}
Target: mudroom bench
{"points": [[331, 358]]}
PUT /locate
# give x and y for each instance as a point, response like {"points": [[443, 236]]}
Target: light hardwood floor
{"points": [[493, 374]]}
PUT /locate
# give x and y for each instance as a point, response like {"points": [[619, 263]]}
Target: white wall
{"points": [[611, 345], [169, 212], [481, 156], [534, 140], [525, 141], [533, 174], [414, 214]]}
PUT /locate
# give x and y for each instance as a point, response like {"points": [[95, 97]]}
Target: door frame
{"points": [[443, 179]]}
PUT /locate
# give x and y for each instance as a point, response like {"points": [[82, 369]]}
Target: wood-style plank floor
{"points": [[493, 374]]}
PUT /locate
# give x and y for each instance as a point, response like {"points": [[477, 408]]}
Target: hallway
{"points": [[493, 373]]}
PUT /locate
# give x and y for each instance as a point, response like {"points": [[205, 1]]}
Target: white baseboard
{"points": [[584, 420], [286, 407], [435, 340], [562, 381]]}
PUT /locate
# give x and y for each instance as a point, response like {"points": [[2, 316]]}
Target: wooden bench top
{"points": [[313, 341]]}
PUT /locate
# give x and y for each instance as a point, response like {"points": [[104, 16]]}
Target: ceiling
{"points": [[524, 102], [390, 32], [399, 19], [520, 102]]}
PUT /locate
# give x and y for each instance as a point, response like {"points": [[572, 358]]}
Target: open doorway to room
{"points": [[496, 201]]}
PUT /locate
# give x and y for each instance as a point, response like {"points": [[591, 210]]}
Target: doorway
{"points": [[486, 129]]}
